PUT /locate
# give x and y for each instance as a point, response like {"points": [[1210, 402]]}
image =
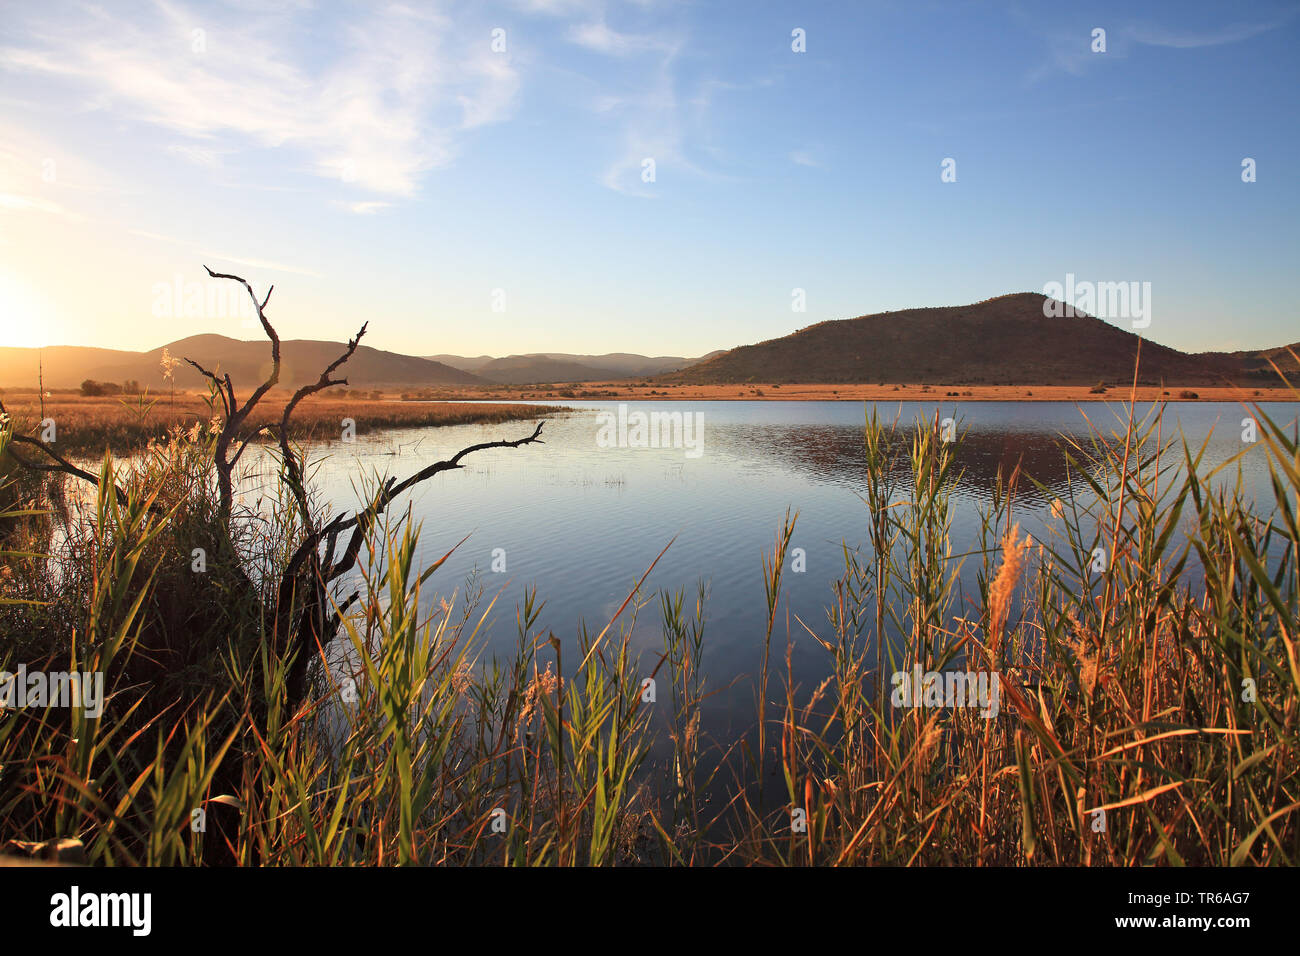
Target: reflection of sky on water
{"points": [[582, 522]]}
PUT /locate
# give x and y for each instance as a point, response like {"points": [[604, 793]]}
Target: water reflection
{"points": [[581, 522], [834, 453]]}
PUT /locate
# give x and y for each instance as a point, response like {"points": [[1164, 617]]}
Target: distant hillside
{"points": [[1260, 361], [302, 361], [1006, 340], [63, 366], [530, 369], [465, 363], [1286, 357], [630, 365], [567, 367]]}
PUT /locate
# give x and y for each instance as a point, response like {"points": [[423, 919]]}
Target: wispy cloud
{"points": [[157, 236], [1233, 33], [660, 124], [15, 203], [32, 170], [260, 264], [597, 36], [651, 119], [652, 130], [362, 208], [558, 8], [1071, 51], [210, 255], [372, 111], [207, 158]]}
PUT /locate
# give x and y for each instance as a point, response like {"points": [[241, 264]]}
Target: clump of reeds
{"points": [[1149, 680]]}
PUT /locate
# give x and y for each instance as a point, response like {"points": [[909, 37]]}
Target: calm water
{"points": [[582, 522]]}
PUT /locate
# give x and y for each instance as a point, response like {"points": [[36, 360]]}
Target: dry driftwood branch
{"points": [[61, 464], [362, 522], [318, 570]]}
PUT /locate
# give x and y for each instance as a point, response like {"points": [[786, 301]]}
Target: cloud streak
{"points": [[1070, 52], [1234, 33], [376, 104]]}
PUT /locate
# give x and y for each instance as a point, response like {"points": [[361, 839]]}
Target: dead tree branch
{"points": [[297, 483], [227, 403], [61, 464], [235, 413]]}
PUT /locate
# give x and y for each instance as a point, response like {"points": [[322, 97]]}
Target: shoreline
{"points": [[616, 391], [88, 425]]}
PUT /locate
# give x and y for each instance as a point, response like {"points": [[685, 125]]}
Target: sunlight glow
{"points": [[23, 316]]}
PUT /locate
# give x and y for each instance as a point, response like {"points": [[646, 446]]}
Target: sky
{"points": [[656, 176]]}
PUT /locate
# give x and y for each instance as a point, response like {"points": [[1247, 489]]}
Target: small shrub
{"points": [[92, 388]]}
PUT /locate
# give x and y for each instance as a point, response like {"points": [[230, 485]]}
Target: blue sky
{"points": [[385, 163]]}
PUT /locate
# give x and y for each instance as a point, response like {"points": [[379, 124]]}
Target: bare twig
{"points": [[227, 403], [296, 482]]}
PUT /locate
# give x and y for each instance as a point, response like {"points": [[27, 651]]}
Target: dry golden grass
{"points": [[122, 423]]}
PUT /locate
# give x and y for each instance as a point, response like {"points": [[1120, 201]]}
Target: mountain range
{"points": [[1007, 340], [67, 366]]}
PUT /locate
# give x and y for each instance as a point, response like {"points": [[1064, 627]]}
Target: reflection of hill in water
{"points": [[836, 453]]}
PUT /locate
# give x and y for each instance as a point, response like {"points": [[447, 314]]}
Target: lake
{"points": [[581, 521]]}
